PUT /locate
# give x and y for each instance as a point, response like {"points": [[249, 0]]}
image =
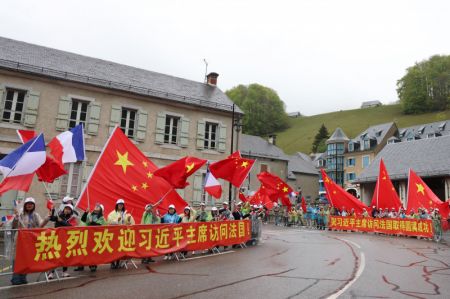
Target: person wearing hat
{"points": [[27, 218], [171, 217], [188, 215], [214, 214], [67, 200], [120, 215], [149, 217], [374, 212], [93, 218], [62, 219], [237, 213], [225, 213], [276, 213], [202, 215]]}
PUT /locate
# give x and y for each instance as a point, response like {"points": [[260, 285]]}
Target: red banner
{"points": [[40, 250], [394, 226]]}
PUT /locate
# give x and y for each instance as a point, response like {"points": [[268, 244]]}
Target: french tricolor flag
{"points": [[68, 147], [212, 185], [7, 218], [19, 166]]}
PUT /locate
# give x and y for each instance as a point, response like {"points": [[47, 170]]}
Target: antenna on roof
{"points": [[206, 69]]}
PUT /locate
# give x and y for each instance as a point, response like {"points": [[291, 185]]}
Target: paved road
{"points": [[289, 263]]}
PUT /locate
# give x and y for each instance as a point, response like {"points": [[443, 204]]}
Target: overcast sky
{"points": [[318, 55]]}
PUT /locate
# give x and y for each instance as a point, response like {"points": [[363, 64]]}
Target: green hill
{"points": [[300, 136]]}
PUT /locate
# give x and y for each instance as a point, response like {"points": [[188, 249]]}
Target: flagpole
{"points": [[378, 184], [164, 196], [407, 189], [17, 162], [48, 192], [95, 165], [84, 168]]}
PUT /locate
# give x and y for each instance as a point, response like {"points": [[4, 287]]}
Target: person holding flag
{"points": [[27, 218], [62, 219]]}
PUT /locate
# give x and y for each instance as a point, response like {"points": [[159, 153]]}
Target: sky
{"points": [[318, 55]]}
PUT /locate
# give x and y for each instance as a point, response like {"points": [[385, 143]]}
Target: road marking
{"points": [[40, 282], [361, 267], [356, 245], [203, 256]]}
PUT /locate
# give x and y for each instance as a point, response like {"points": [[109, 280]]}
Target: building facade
{"points": [[51, 91], [336, 148]]}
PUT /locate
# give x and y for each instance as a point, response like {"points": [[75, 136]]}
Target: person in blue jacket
{"points": [[171, 218], [308, 215], [314, 217]]}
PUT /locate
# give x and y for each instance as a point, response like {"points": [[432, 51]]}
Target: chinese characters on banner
{"points": [[408, 227], [40, 250]]}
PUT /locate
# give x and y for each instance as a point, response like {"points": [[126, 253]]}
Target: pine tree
{"points": [[319, 144]]}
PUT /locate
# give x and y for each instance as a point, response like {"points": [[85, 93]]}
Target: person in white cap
{"points": [[27, 218], [93, 218], [225, 213], [171, 217], [120, 215], [67, 200], [202, 215], [150, 216], [63, 219], [214, 214], [188, 215]]}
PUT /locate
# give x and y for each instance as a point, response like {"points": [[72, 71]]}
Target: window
{"points": [[13, 107], [351, 147], [128, 122], [351, 176], [210, 135], [263, 167], [431, 135], [71, 183], [171, 129], [78, 113], [365, 161], [366, 145], [351, 161]]}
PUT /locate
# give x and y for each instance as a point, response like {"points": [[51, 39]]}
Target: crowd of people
{"points": [[67, 215]]}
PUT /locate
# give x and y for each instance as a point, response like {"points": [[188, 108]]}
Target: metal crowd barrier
{"points": [[7, 249]]}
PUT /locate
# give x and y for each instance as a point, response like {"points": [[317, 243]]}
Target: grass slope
{"points": [[300, 136]]}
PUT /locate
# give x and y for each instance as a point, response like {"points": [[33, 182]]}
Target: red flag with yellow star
{"points": [[123, 171], [261, 197], [421, 196], [340, 198], [275, 187], [385, 195], [233, 169], [176, 173]]}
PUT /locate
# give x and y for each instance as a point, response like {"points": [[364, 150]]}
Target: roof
{"points": [[440, 128], [256, 146], [304, 156], [38, 60], [299, 165], [370, 103], [338, 136], [427, 157], [377, 133]]}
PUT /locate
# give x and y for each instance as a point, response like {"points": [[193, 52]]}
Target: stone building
{"points": [[51, 91]]}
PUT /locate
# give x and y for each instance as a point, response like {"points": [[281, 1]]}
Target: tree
{"points": [[319, 144], [264, 110], [426, 86]]}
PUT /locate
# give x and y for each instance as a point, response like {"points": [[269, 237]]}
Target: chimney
{"points": [[273, 139], [211, 78]]}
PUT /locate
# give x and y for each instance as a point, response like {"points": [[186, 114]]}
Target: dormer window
{"points": [[421, 129], [351, 147], [442, 126]]}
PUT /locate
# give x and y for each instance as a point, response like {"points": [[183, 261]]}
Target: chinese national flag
{"points": [[261, 197], [385, 195], [242, 197], [340, 198], [303, 205], [177, 172], [421, 196], [51, 169], [233, 169], [275, 188], [123, 171]]}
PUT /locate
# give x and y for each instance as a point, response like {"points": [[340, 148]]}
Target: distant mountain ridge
{"points": [[300, 136]]}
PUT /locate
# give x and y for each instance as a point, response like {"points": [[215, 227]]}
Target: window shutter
{"points": [[115, 117], [141, 125], [62, 119], [94, 118], [200, 134], [31, 109], [2, 100], [160, 126], [184, 133], [197, 198], [222, 138]]}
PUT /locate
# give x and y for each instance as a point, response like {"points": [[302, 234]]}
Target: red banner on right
{"points": [[407, 227]]}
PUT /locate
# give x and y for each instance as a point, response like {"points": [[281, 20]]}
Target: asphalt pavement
{"points": [[287, 263]]}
